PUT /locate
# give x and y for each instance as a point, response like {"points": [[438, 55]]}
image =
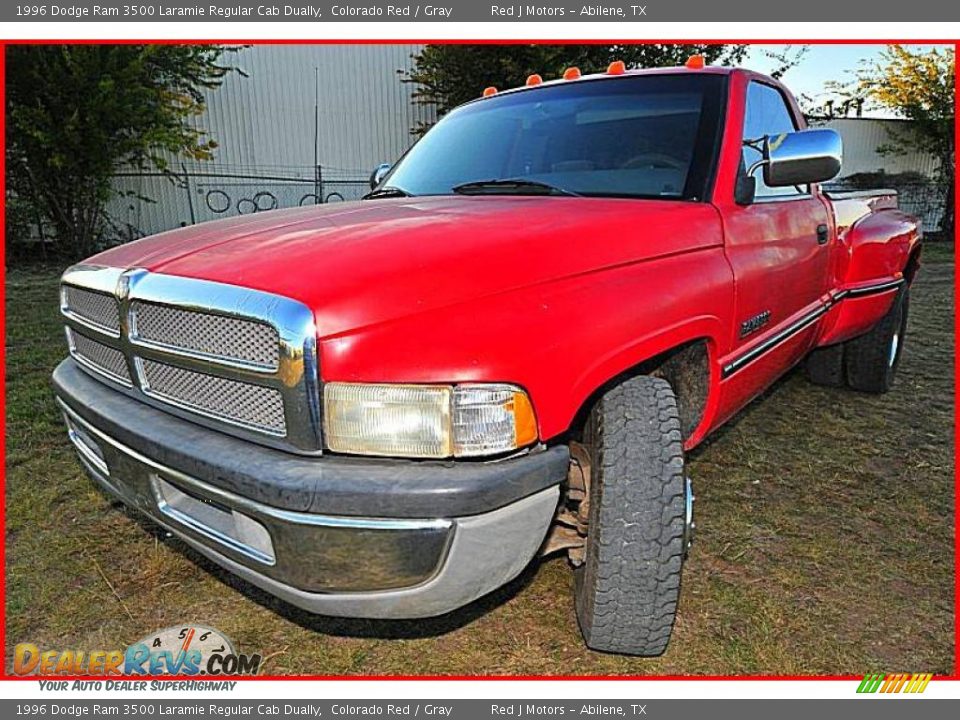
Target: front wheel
{"points": [[638, 520]]}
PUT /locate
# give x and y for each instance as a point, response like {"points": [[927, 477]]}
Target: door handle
{"points": [[823, 234]]}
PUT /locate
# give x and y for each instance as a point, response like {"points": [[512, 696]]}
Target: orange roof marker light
{"points": [[696, 62], [487, 92], [571, 73], [617, 67], [534, 79]]}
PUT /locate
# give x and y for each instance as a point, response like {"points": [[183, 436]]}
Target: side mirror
{"points": [[377, 176], [799, 158]]}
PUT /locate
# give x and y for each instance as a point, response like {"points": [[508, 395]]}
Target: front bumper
{"points": [[352, 537]]}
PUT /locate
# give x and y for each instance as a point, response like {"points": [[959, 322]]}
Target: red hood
{"points": [[366, 262]]}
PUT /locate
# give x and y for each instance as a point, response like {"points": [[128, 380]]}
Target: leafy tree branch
{"points": [[76, 114]]}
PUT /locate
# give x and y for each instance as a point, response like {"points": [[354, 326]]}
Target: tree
{"points": [[917, 85], [78, 113], [448, 75], [786, 58]]}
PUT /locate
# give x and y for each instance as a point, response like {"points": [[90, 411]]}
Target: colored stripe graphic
{"points": [[870, 683], [920, 682], [894, 683]]}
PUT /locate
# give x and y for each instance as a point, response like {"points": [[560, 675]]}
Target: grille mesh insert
{"points": [[231, 358], [216, 336], [96, 308], [104, 358], [260, 408]]}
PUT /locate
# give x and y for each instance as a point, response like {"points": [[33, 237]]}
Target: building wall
{"points": [[267, 118], [862, 137], [346, 98]]}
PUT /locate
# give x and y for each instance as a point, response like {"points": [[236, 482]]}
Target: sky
{"points": [[821, 64]]}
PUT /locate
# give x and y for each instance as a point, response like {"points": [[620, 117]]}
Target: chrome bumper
{"points": [[333, 565]]}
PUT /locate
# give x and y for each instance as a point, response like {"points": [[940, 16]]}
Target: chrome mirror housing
{"points": [[379, 173], [802, 157]]}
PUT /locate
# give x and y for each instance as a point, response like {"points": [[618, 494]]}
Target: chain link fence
{"points": [[151, 202]]}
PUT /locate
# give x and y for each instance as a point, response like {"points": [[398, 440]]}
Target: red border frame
{"points": [[486, 41]]}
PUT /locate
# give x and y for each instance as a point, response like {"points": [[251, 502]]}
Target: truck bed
{"points": [[851, 205]]}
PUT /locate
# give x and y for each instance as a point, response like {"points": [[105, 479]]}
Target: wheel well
{"points": [[687, 369]]}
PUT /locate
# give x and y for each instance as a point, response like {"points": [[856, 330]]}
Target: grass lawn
{"points": [[825, 540]]}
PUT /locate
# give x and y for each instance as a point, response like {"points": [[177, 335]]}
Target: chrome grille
{"points": [[253, 406], [94, 308], [231, 358], [217, 337], [99, 357]]}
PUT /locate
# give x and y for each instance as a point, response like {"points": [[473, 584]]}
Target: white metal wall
{"points": [[263, 122], [862, 137], [267, 118]]}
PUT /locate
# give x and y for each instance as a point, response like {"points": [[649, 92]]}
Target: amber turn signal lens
{"points": [[617, 67], [524, 421], [534, 79], [571, 73]]}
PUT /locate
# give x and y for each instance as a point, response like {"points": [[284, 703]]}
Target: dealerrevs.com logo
{"points": [[180, 650]]}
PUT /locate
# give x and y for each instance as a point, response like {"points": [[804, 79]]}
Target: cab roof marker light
{"points": [[487, 92], [571, 73], [617, 67], [696, 62], [534, 80]]}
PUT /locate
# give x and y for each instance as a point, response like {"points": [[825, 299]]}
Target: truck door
{"points": [[778, 247]]}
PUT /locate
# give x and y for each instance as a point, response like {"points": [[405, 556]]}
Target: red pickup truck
{"points": [[387, 408]]}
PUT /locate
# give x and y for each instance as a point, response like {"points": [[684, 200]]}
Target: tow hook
{"points": [[689, 525]]}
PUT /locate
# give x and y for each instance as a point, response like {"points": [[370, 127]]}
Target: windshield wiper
{"points": [[386, 192], [516, 186]]}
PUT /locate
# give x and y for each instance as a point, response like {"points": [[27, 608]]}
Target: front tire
{"points": [[872, 359], [628, 587]]}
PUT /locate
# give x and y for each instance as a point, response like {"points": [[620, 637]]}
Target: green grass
{"points": [[936, 253], [825, 540]]}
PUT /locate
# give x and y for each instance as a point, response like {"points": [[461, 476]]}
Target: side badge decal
{"points": [[751, 325]]}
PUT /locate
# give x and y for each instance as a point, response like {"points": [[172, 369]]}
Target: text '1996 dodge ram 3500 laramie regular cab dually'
{"points": [[387, 408]]}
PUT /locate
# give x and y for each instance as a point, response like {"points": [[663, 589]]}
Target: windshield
{"points": [[645, 136]]}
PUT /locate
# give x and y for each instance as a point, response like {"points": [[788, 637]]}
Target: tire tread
{"points": [[628, 588]]}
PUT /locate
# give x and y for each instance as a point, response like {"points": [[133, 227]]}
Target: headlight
{"points": [[429, 421]]}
